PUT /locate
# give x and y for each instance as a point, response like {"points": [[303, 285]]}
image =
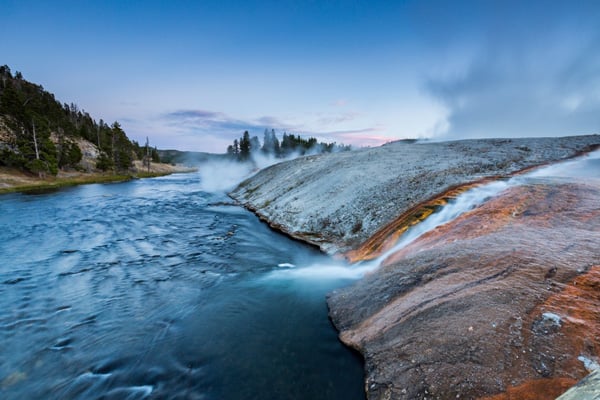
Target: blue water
{"points": [[157, 289]]}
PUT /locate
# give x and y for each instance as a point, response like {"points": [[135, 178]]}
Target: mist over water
{"points": [[154, 289], [225, 174]]}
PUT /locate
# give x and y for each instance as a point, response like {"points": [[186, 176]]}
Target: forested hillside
{"points": [[41, 135]]}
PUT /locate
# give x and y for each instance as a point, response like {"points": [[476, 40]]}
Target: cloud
{"points": [[339, 103], [493, 101], [214, 130], [194, 114], [218, 121], [357, 137], [338, 118], [273, 122], [547, 84], [217, 124]]}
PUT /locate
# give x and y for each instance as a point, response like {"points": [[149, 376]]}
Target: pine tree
{"points": [[155, 155], [33, 114], [276, 148], [121, 148], [245, 146]]}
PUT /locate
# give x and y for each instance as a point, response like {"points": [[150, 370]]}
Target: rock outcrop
{"points": [[339, 201], [502, 303]]}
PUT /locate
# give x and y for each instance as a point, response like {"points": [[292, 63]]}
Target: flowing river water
{"points": [[158, 289]]}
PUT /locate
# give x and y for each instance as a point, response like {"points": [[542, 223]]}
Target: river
{"points": [[155, 288]]}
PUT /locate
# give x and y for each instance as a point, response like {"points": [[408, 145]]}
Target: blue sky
{"points": [[194, 75]]}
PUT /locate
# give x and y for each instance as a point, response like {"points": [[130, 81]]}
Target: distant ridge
{"points": [[187, 157]]}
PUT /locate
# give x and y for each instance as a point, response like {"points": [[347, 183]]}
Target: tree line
{"points": [[243, 148], [33, 114]]}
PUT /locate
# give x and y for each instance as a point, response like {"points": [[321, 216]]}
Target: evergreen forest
{"points": [[243, 148], [39, 134]]}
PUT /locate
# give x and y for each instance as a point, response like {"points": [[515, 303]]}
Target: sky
{"points": [[193, 75]]}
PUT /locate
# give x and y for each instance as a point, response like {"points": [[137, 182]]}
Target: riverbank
{"points": [[12, 180]]}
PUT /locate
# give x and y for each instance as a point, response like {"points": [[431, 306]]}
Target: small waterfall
{"points": [[461, 204], [587, 166]]}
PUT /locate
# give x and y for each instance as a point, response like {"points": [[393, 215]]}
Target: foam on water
{"points": [[92, 375], [322, 271], [286, 265]]}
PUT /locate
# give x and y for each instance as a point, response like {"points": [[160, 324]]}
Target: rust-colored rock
{"points": [[535, 389], [502, 303], [385, 238], [577, 332]]}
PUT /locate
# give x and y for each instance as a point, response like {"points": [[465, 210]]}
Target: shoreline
{"points": [[15, 181]]}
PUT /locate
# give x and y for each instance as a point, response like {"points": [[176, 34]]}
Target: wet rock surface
{"points": [[502, 303], [339, 201]]}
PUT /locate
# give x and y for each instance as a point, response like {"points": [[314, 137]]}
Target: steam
{"points": [[225, 174], [261, 160], [222, 175]]}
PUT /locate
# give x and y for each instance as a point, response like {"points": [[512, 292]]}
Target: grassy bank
{"points": [[15, 181]]}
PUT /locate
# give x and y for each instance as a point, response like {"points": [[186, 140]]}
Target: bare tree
{"points": [[35, 144], [147, 154]]}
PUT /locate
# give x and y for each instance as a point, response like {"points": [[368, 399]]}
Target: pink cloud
{"points": [[359, 137], [339, 103]]}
